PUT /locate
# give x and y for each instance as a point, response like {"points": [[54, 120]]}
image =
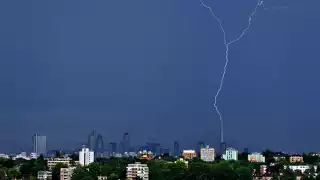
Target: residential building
{"points": [[296, 158], [230, 154], [207, 154], [301, 168], [189, 154], [52, 162], [86, 156], [66, 173], [4, 156], [39, 143], [44, 175], [256, 157], [137, 170]]}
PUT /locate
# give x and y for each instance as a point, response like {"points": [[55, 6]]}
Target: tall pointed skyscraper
{"points": [[92, 138]]}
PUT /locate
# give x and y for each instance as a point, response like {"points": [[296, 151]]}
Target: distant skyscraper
{"points": [[99, 146], [154, 147], [176, 149], [39, 144], [126, 142], [201, 144], [112, 147], [86, 156], [92, 139]]}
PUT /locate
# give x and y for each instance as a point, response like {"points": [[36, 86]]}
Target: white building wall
{"points": [[207, 154], [231, 154], [301, 168], [86, 157]]}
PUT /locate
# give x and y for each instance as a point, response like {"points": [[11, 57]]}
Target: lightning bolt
{"points": [[227, 44]]}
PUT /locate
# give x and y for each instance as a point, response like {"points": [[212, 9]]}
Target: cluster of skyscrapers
{"points": [[96, 144]]}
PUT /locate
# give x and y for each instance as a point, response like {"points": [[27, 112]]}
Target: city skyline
{"points": [[151, 69]]}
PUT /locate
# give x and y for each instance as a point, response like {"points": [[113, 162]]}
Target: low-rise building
{"points": [[5, 156], [137, 170], [189, 154], [52, 162], [207, 154], [256, 157], [231, 154], [296, 158], [301, 168], [44, 175], [66, 173]]}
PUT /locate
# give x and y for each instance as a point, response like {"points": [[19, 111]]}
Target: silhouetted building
{"points": [[153, 147], [223, 147], [176, 149], [99, 146], [246, 150], [92, 139], [125, 144], [200, 145], [166, 151], [112, 147], [39, 144]]}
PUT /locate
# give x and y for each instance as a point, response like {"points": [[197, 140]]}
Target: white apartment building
{"points": [[5, 156], [231, 154], [256, 157], [44, 175], [137, 170], [301, 168], [207, 154], [66, 173], [86, 156], [52, 162]]}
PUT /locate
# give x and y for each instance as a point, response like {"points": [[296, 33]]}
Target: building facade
{"points": [[296, 159], [301, 168], [256, 157], [189, 154], [52, 162], [44, 175], [86, 156], [66, 173], [230, 154], [137, 170], [39, 143], [207, 154]]}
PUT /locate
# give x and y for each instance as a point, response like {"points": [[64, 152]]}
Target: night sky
{"points": [[151, 68]]}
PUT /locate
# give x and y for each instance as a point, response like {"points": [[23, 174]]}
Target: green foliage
{"points": [[56, 170], [310, 159]]}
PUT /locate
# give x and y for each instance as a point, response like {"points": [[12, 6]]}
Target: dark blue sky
{"points": [[152, 67]]}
